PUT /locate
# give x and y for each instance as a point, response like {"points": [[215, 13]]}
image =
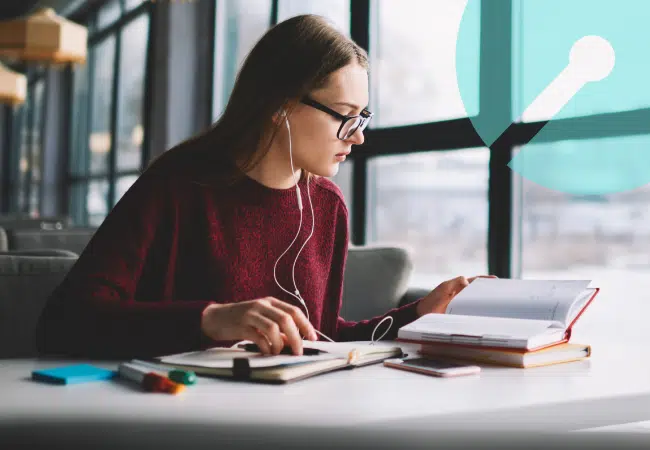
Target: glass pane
{"points": [[79, 153], [97, 202], [130, 4], [37, 126], [21, 199], [34, 200], [130, 128], [77, 203], [540, 55], [23, 154], [108, 13], [99, 140], [601, 238], [414, 61], [437, 205], [123, 184], [338, 11], [239, 25]]}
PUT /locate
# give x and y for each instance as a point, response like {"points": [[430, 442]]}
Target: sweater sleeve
{"points": [[363, 330], [96, 311]]}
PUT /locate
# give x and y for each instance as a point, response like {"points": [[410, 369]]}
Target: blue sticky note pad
{"points": [[79, 373]]}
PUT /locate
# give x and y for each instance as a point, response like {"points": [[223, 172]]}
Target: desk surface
{"points": [[610, 388], [369, 396]]}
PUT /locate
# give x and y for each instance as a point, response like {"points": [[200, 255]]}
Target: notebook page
{"points": [[344, 348], [222, 358], [514, 298]]}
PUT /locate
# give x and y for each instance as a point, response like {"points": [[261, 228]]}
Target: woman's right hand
{"points": [[268, 322]]}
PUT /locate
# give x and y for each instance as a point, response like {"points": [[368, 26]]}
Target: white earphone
{"points": [[296, 293]]}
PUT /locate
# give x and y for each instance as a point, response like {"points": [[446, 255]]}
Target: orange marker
{"points": [[150, 381]]}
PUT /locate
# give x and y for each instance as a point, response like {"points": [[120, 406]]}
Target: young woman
{"points": [[236, 234]]}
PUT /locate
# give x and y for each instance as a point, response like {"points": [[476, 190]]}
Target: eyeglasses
{"points": [[349, 124]]}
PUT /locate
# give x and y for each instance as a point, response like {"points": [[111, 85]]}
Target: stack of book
{"points": [[508, 322]]}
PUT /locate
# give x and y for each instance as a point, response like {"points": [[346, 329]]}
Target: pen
{"points": [[285, 351], [149, 381], [177, 375]]}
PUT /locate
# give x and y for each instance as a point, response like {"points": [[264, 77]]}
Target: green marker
{"points": [[182, 376]]}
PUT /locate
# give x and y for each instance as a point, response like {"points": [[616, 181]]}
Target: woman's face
{"points": [[315, 144]]}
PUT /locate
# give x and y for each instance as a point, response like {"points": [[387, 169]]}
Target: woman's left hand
{"points": [[438, 299]]}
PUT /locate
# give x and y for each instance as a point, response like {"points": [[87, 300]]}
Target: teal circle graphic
{"points": [[573, 58]]}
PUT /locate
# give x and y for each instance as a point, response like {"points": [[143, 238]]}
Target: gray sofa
{"points": [[376, 280], [73, 239], [26, 280]]}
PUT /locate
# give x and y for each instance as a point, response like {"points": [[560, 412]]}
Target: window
{"points": [[541, 56], [131, 4], [25, 186], [239, 24], [130, 128], [99, 141], [108, 137], [337, 11], [601, 238], [414, 61], [109, 13], [571, 234], [436, 204]]}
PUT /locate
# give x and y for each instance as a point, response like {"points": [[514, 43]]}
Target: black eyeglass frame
{"points": [[365, 116]]}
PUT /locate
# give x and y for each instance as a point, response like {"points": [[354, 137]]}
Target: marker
{"points": [[149, 381], [177, 375]]}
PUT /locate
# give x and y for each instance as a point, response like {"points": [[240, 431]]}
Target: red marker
{"points": [[150, 381]]}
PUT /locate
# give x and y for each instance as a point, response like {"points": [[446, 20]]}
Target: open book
{"points": [[511, 313], [240, 364]]}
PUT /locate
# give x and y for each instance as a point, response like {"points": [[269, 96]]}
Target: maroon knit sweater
{"points": [[171, 247]]}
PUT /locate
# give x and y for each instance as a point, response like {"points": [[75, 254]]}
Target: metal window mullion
{"points": [[273, 20], [360, 33], [495, 97], [115, 98]]}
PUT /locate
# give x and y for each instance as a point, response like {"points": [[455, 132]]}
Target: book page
{"points": [[578, 305], [521, 299], [481, 330]]}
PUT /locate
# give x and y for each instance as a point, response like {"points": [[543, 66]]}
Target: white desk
{"points": [[385, 405], [609, 389]]}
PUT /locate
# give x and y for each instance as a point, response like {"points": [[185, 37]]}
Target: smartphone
{"points": [[435, 367]]}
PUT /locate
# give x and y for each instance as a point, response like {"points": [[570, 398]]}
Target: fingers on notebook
{"points": [[254, 335], [285, 323], [305, 327], [269, 329]]}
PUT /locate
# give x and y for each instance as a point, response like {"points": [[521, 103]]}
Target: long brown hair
{"points": [[291, 59]]}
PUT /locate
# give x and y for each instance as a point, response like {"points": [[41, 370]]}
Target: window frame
{"points": [[504, 197], [21, 120], [95, 38]]}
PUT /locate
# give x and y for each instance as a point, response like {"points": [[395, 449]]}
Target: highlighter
{"points": [[149, 381]]}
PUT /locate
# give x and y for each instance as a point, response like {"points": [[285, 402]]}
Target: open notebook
{"points": [[511, 313], [239, 364]]}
